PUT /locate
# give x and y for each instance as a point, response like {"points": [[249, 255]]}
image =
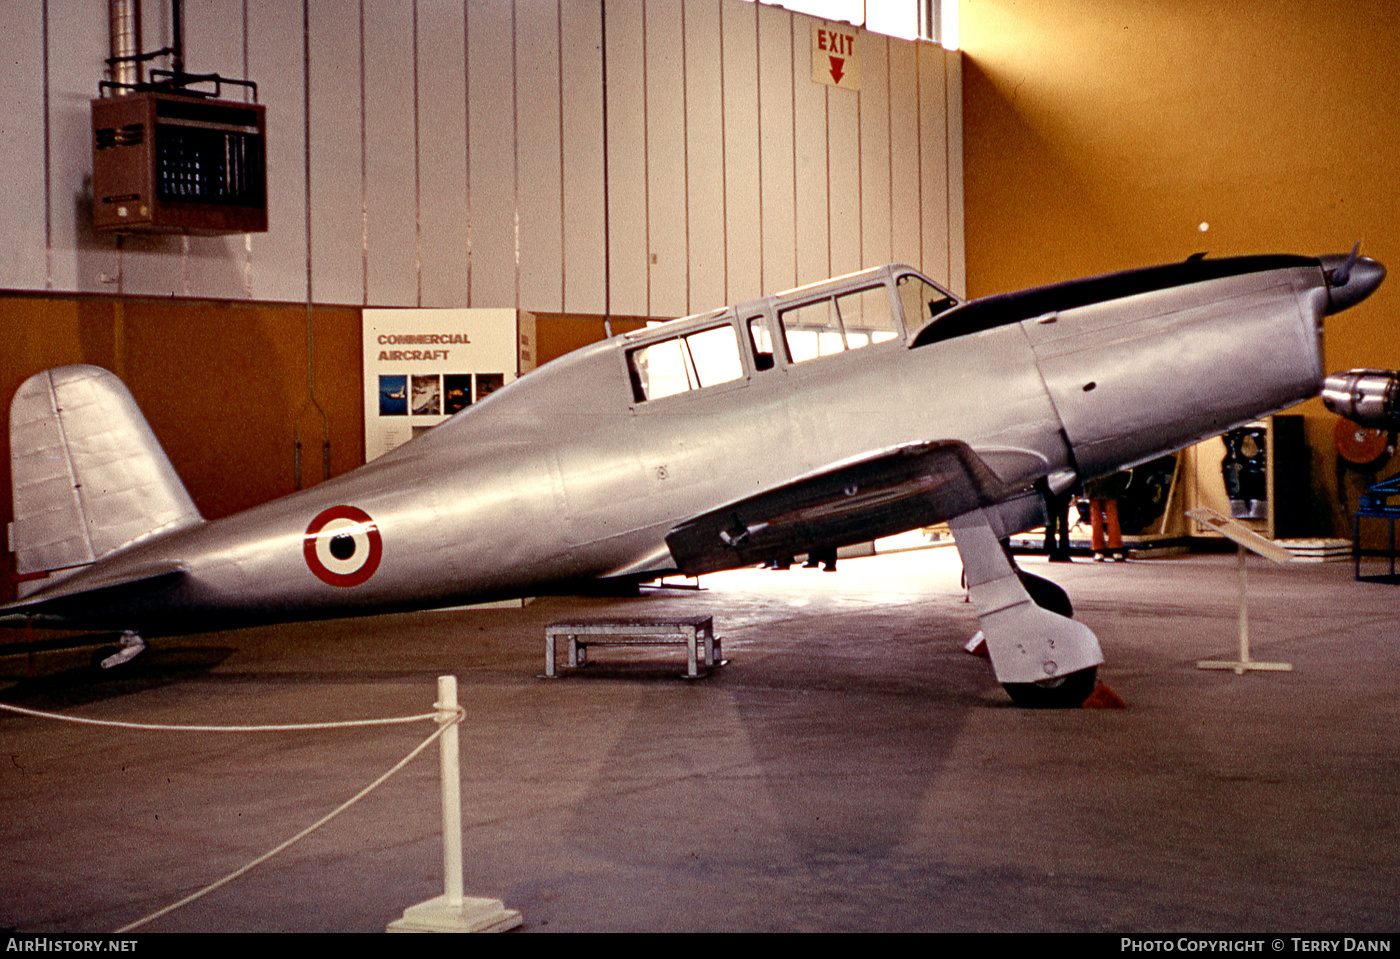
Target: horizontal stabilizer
{"points": [[83, 592], [894, 491], [89, 476]]}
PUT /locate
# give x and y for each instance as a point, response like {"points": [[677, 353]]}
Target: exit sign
{"points": [[836, 56]]}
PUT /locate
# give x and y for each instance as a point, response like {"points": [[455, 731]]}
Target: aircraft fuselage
{"points": [[580, 469]]}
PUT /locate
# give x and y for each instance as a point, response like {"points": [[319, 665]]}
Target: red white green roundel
{"points": [[342, 546]]}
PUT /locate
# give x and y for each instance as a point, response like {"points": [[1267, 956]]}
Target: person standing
{"points": [[1057, 525], [1105, 534]]}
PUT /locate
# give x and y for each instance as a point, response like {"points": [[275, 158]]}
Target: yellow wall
{"points": [[561, 333], [223, 385], [1100, 134]]}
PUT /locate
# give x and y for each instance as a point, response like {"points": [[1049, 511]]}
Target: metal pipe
{"points": [[1367, 397], [124, 29], [177, 37]]}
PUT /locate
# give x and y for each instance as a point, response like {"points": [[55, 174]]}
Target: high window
{"points": [[920, 300], [935, 20]]}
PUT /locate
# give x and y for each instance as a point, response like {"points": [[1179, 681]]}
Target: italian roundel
{"points": [[342, 546]]}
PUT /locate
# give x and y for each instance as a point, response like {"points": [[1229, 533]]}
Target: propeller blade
{"points": [[1342, 274]]}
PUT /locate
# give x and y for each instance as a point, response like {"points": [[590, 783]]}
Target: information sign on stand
{"points": [[1246, 541]]}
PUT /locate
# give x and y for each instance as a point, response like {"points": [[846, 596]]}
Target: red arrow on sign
{"points": [[835, 58]]}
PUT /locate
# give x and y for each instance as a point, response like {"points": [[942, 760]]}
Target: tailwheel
{"points": [[1062, 692], [109, 657]]}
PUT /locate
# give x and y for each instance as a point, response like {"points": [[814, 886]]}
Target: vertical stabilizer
{"points": [[89, 476]]}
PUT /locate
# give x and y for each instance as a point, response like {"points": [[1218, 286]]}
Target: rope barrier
{"points": [[346, 724], [461, 713], [447, 717]]}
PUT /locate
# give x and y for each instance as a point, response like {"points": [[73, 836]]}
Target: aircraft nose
{"points": [[1350, 279]]}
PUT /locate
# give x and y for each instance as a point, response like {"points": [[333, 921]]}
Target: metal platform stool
{"points": [[696, 633]]}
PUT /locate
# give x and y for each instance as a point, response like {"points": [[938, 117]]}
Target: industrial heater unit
{"points": [[170, 163]]}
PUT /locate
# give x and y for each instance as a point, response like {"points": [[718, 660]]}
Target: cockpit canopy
{"points": [[886, 304]]}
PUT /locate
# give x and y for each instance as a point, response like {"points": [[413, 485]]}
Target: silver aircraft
{"points": [[831, 414]]}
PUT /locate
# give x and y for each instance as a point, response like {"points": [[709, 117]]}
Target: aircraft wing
{"points": [[880, 495]]}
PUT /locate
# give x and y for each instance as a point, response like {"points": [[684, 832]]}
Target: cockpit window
{"points": [[690, 362], [847, 321], [920, 300], [811, 331]]}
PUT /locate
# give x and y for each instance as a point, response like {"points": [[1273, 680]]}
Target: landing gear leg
{"points": [[1041, 657], [132, 646]]}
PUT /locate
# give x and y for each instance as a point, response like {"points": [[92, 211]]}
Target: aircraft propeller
{"points": [[1342, 274], [1350, 278]]}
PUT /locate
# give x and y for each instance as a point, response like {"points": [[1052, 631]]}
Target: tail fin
{"points": [[89, 476]]}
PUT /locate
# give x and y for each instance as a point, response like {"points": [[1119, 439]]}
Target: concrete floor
{"points": [[850, 769]]}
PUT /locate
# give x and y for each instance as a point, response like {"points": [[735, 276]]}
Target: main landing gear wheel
{"points": [[1025, 623], [1062, 692]]}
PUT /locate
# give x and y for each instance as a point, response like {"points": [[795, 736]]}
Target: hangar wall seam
{"points": [[725, 165], [417, 171], [48, 150]]}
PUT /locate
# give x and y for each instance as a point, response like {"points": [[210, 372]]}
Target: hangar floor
{"points": [[850, 769]]}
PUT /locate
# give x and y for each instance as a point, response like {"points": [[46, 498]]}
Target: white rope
{"points": [[461, 713], [442, 728], [399, 720]]}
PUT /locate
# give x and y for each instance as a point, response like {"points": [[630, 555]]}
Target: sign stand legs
{"points": [[1244, 664]]}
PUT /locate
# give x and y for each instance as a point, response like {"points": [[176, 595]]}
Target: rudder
{"points": [[88, 475]]}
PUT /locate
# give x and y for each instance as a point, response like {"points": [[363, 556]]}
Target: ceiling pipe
{"points": [[177, 37], [124, 28]]}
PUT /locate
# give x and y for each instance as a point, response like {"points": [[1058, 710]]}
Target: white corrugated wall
{"points": [[443, 154]]}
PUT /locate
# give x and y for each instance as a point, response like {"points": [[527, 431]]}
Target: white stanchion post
{"points": [[453, 911], [451, 772]]}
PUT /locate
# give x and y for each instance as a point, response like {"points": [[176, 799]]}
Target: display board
{"points": [[423, 366]]}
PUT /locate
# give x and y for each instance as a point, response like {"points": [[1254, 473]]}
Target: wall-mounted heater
{"points": [[176, 164], [168, 157]]}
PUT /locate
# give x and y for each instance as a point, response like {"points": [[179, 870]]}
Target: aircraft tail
{"points": [[89, 476]]}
